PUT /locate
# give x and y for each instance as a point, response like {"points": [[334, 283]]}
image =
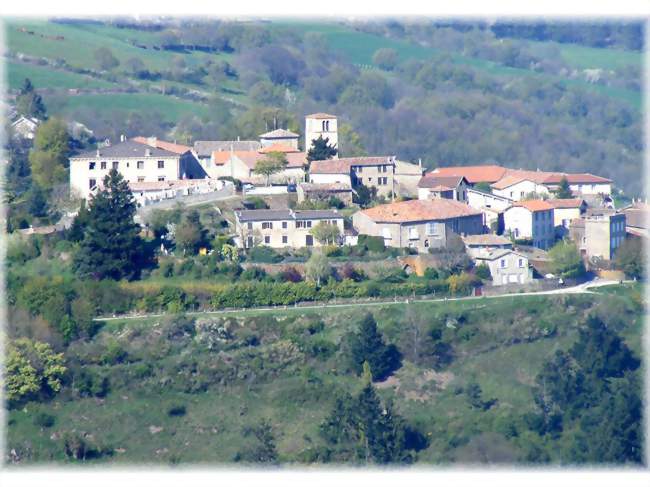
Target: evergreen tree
{"points": [[320, 150], [29, 103], [112, 247], [368, 345], [76, 231], [37, 202], [361, 429], [564, 191]]}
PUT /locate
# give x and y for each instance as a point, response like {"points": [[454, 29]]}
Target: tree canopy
{"points": [[111, 247], [29, 103], [274, 162], [49, 156], [321, 150], [367, 345]]}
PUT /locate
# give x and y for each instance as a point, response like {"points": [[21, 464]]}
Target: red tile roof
{"points": [[278, 148], [250, 158], [161, 144], [566, 202], [579, 178], [534, 205], [433, 181], [419, 210], [344, 165], [473, 174]]}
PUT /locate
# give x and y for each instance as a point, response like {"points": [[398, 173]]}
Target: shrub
{"points": [[253, 274], [372, 244], [255, 203], [44, 420], [483, 272], [114, 353], [264, 255], [176, 410]]}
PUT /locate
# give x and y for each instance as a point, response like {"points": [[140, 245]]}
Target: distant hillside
{"points": [[447, 96]]}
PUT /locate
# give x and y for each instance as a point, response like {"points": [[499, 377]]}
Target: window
{"points": [[432, 228], [520, 262], [359, 169], [370, 180], [161, 164], [426, 244], [249, 242], [161, 178], [512, 194], [300, 224], [308, 223], [267, 225], [522, 194], [140, 164], [503, 263], [116, 164], [284, 225], [91, 166], [285, 239], [140, 179], [267, 239], [249, 225], [102, 164], [92, 183]]}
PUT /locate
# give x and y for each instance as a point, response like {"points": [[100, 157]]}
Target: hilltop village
{"points": [[506, 218]]}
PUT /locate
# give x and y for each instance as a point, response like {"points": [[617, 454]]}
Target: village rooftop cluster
{"points": [[506, 217]]}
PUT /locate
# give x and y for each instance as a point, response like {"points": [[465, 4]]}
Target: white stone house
{"points": [[432, 186], [531, 220], [137, 162], [506, 266], [282, 228]]}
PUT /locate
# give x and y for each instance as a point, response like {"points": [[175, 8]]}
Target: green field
{"points": [[171, 108], [46, 76], [500, 343]]}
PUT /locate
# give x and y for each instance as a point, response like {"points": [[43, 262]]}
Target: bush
{"points": [[255, 203], [264, 255], [176, 410], [483, 272], [114, 353], [372, 244], [44, 420], [253, 274]]}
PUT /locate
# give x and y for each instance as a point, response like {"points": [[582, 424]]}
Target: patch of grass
{"points": [[45, 76]]}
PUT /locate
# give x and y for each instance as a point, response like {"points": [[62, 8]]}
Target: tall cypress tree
{"points": [[111, 247], [29, 103], [368, 345]]}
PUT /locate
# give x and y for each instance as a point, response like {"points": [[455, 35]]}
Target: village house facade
{"points": [[136, 161], [531, 220], [564, 212], [282, 228], [418, 224], [431, 186], [377, 172], [600, 235], [241, 165], [484, 243], [506, 266], [324, 191]]}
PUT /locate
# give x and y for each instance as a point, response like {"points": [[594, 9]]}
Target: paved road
{"points": [[583, 288]]}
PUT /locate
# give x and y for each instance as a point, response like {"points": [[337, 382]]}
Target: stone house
{"points": [[407, 176], [487, 242], [598, 236], [137, 162], [241, 165], [531, 220], [565, 211], [418, 224], [282, 228], [324, 191], [506, 266], [280, 136], [431, 186], [377, 172]]}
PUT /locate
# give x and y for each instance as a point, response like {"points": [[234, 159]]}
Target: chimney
{"points": [[122, 138], [97, 154], [152, 141], [147, 152], [107, 143]]}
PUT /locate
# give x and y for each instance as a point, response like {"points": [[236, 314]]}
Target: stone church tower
{"points": [[321, 124]]}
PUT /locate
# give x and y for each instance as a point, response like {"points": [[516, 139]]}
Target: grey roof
{"points": [[279, 134], [498, 253], [205, 148], [128, 148], [268, 215]]}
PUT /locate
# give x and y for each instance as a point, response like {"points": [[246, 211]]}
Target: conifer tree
{"points": [[564, 191], [321, 150], [111, 247], [368, 345], [29, 103]]}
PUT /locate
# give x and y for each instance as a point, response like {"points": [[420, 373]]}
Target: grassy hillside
{"points": [[501, 344]]}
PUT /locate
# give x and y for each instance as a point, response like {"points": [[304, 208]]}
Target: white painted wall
{"points": [[81, 174], [479, 200], [518, 191], [330, 178], [314, 128]]}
